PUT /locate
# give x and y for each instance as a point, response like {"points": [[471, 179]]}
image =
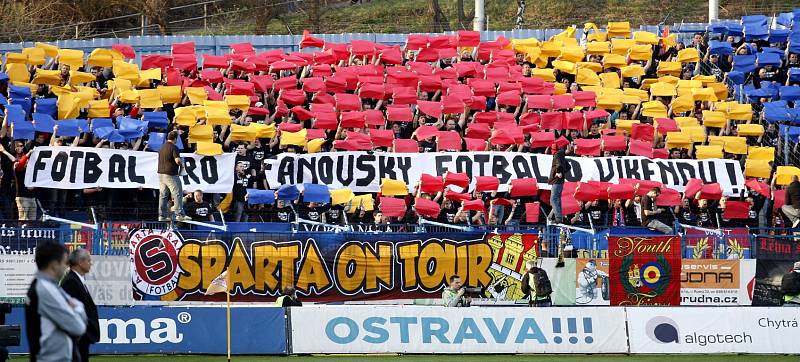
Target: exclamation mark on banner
{"points": [[587, 328], [557, 330], [572, 328]]}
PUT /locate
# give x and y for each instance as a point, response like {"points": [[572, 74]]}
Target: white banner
{"points": [[84, 167], [418, 329], [109, 281], [717, 282], [16, 273], [362, 171], [714, 330]]}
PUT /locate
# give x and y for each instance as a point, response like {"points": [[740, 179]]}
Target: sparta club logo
{"points": [[154, 260]]}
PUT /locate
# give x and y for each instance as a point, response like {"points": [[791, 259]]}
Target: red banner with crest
{"points": [[645, 270]]}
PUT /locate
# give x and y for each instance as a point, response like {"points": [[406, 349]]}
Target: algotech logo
{"points": [[154, 260], [159, 330], [662, 330]]}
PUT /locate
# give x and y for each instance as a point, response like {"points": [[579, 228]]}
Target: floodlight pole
{"points": [[713, 10], [480, 16]]}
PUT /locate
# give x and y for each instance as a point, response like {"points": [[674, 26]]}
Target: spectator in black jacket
{"points": [[74, 283], [792, 207]]}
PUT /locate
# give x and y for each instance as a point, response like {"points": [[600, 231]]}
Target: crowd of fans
{"points": [[714, 95]]}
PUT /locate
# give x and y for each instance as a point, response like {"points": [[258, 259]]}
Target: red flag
{"points": [[524, 187], [584, 98], [711, 192], [475, 144], [352, 120], [152, 61], [458, 179], [212, 76], [596, 113], [693, 187], [314, 85], [736, 210], [563, 101], [263, 83], [425, 132], [542, 139], [301, 113], [486, 183], [433, 109], [347, 102], [668, 197], [243, 48], [393, 207], [660, 153], [642, 131], [452, 105], [621, 191], [426, 207], [488, 118], [759, 187], [406, 146], [589, 192], [399, 113], [779, 196], [478, 130], [293, 96], [309, 41], [184, 61], [183, 48], [552, 120], [587, 147], [532, 211], [474, 205], [448, 141], [431, 184], [641, 148], [381, 137], [666, 125], [574, 120], [614, 143], [243, 66], [125, 49], [325, 120], [502, 137], [315, 133], [569, 205], [373, 91], [290, 127], [540, 101], [509, 98], [452, 195], [467, 38]]}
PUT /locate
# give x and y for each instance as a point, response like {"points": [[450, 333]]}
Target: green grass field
{"points": [[454, 358]]}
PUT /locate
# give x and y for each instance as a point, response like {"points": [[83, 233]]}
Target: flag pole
{"points": [[228, 299]]}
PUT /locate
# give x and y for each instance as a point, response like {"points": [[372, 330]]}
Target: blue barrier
{"points": [[151, 329]]}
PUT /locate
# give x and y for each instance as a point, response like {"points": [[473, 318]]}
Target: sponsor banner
{"points": [[733, 243], [418, 329], [778, 248], [767, 288], [81, 167], [167, 266], [16, 273], [713, 330], [192, 330], [16, 239], [716, 282], [363, 171], [109, 281], [592, 282], [646, 270]]}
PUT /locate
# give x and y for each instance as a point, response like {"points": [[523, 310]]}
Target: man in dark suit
{"points": [[80, 262]]}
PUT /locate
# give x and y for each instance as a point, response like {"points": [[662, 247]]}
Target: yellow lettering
{"points": [[378, 267], [239, 267], [480, 260], [350, 268], [408, 255], [189, 261], [436, 262], [213, 257], [312, 271]]}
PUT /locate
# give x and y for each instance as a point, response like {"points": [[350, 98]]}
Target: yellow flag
{"points": [[99, 109], [678, 139], [565, 66], [714, 119], [208, 149], [391, 187], [68, 106], [654, 109], [673, 68], [127, 71], [201, 133], [18, 73], [683, 103], [661, 89], [645, 37], [341, 196], [197, 95], [704, 94], [621, 47], [16, 58], [757, 168], [736, 145], [71, 57], [633, 70], [185, 116], [50, 50], [150, 74], [761, 153], [572, 54], [640, 52], [217, 117], [587, 77], [238, 102], [619, 28], [783, 175], [610, 102], [545, 74], [614, 60], [35, 55], [170, 93], [610, 80], [598, 47], [51, 77], [243, 133], [264, 130], [366, 202], [696, 133], [750, 130], [150, 98], [315, 145], [76, 77], [705, 152], [294, 138], [740, 112], [686, 121], [101, 57]]}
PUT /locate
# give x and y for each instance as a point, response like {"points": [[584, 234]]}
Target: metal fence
{"points": [[219, 44], [553, 240]]}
